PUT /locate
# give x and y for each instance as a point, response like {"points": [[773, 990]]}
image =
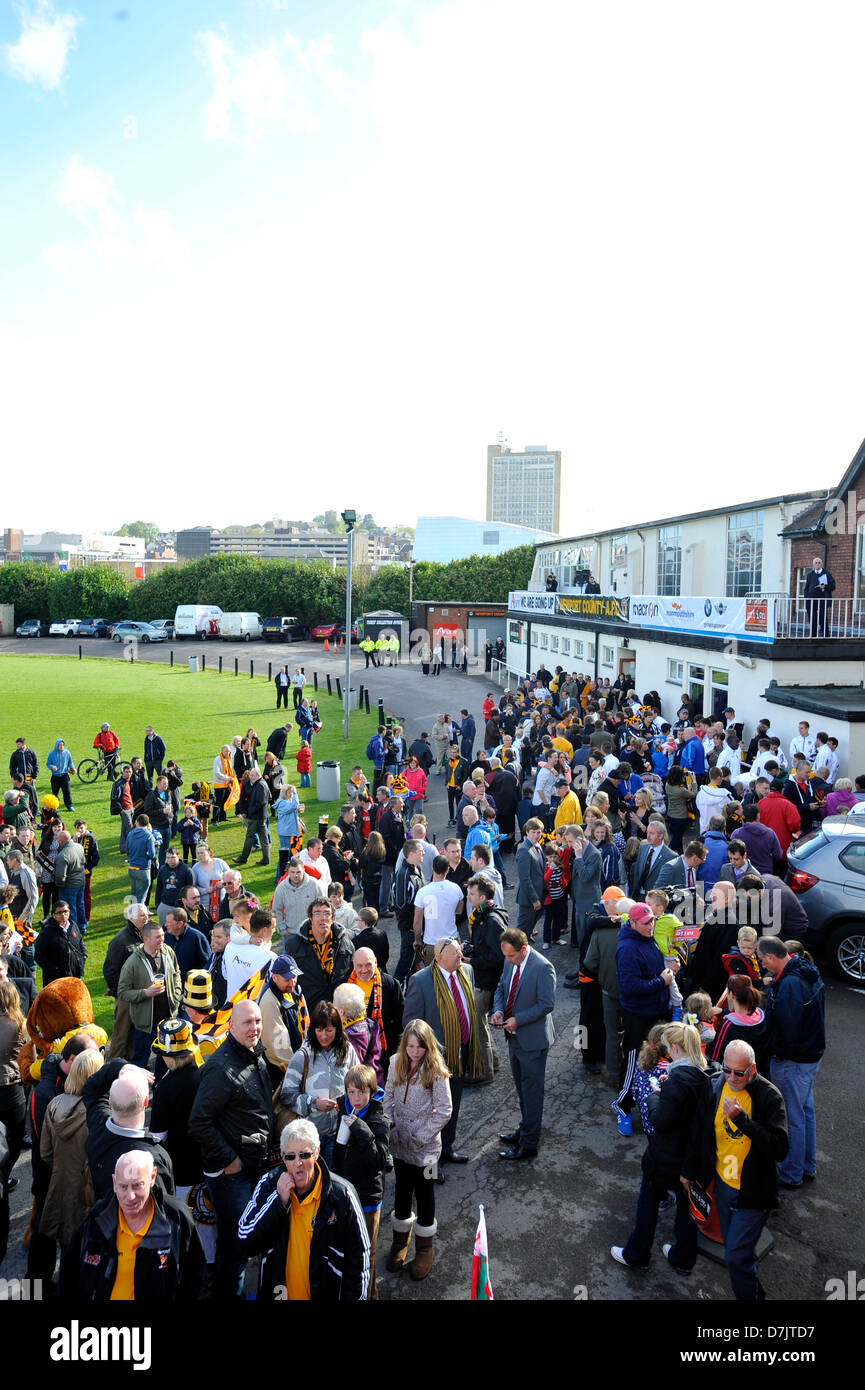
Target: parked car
{"points": [[322, 630], [65, 627], [137, 632], [94, 627], [285, 629], [32, 627], [826, 869], [165, 625]]}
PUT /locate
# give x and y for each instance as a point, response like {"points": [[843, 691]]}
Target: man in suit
{"points": [[523, 1007], [530, 871], [443, 995], [646, 869], [683, 871]]}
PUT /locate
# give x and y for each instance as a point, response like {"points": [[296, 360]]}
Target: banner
{"points": [[750, 620], [523, 601], [599, 607]]}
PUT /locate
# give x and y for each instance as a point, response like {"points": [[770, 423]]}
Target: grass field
{"points": [[46, 698]]}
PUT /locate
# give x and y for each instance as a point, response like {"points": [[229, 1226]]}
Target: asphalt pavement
{"points": [[551, 1221]]}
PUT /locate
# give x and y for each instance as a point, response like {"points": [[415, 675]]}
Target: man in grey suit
{"points": [[522, 1008], [683, 870], [530, 880], [646, 869], [443, 996]]}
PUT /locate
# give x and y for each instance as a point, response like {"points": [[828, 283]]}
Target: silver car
{"points": [[826, 870]]}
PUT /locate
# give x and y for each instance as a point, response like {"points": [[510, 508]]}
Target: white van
{"points": [[197, 620], [240, 627]]}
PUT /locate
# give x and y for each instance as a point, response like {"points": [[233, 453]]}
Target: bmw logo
{"points": [[707, 608]]}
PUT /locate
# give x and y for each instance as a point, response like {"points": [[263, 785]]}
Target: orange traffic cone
{"points": [[342, 641], [326, 647]]}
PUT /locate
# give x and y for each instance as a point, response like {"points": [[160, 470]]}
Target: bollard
{"points": [[79, 651], [329, 689], [315, 679], [171, 657], [381, 711], [366, 700], [235, 665], [269, 671], [338, 689], [202, 660], [360, 697], [251, 665]]}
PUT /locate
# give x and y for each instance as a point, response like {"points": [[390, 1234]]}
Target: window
{"points": [[675, 671], [578, 648], [590, 651], [543, 641], [619, 552], [744, 553], [554, 642], [607, 655], [853, 858], [669, 559], [566, 646]]}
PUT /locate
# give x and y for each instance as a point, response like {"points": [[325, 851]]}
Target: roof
{"points": [[690, 516], [845, 702], [809, 520], [813, 519]]}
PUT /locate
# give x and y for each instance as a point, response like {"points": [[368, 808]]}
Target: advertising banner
{"points": [[749, 620], [604, 608], [523, 601]]}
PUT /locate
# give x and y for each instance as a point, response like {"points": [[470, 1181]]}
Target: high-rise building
{"points": [[524, 489]]}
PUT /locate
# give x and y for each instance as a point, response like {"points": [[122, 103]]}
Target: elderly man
{"points": [[151, 985], [116, 1099], [70, 876], [309, 1223], [284, 1016], [293, 898], [225, 784], [744, 1137], [443, 995], [136, 1244], [441, 740], [523, 1009], [232, 891], [647, 869], [120, 947], [256, 818], [383, 1003], [232, 1119], [323, 952]]}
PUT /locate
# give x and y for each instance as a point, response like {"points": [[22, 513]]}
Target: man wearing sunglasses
{"points": [[310, 1223], [744, 1137]]}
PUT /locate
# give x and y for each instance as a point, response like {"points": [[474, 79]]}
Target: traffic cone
{"points": [[342, 642], [326, 647]]}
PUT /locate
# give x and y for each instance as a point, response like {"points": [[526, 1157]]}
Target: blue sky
{"points": [[263, 257]]}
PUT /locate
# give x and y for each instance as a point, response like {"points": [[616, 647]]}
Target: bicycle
{"points": [[91, 769]]}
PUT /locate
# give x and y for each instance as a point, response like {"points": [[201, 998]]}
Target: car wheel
{"points": [[70, 634], [117, 637], [847, 952]]}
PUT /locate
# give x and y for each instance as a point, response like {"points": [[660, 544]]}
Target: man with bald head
{"points": [[136, 1244], [116, 1099], [232, 1119], [383, 998]]}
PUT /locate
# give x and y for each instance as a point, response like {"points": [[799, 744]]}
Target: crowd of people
{"points": [[266, 1078]]}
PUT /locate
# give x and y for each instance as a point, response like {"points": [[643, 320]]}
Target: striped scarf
{"points": [[324, 953], [447, 1011], [302, 1011], [373, 1010], [28, 935], [234, 793], [214, 1029]]}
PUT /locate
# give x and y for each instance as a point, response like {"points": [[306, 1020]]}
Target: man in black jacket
{"points": [[59, 949], [392, 830], [384, 999], [338, 1268], [165, 1266], [795, 1004], [256, 818], [24, 761], [120, 947], [278, 740], [115, 1100], [422, 750], [154, 753], [749, 1112], [314, 932], [819, 586], [158, 806], [484, 951], [232, 1119], [407, 884]]}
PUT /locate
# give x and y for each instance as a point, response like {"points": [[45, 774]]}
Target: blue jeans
{"points": [[740, 1231], [406, 956], [229, 1193], [163, 848], [75, 899], [141, 1046], [638, 1251], [139, 882], [306, 779], [795, 1081]]}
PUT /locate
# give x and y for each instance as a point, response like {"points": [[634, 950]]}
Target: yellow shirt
{"points": [[367, 987], [127, 1245], [569, 812], [303, 1215], [563, 746], [731, 1149]]}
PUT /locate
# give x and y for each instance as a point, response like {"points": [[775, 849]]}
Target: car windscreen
{"points": [[808, 845]]}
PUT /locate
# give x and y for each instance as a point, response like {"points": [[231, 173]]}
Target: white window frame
{"points": [[566, 646], [608, 656], [675, 671], [543, 641], [554, 641]]}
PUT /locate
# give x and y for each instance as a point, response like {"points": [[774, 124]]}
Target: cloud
{"points": [[41, 54], [113, 237], [286, 82]]}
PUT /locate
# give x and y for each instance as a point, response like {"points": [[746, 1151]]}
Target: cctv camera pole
{"points": [[349, 549]]}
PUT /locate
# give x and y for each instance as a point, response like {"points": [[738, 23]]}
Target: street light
{"points": [[349, 517]]}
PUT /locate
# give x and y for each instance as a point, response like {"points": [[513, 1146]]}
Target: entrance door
{"points": [[697, 687]]}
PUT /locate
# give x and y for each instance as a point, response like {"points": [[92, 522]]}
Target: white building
{"points": [[710, 603], [524, 489], [441, 539]]}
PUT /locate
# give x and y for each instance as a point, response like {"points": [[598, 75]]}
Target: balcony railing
{"points": [[829, 619]]}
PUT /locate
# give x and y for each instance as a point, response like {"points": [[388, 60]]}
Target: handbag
{"points": [[700, 1202]]}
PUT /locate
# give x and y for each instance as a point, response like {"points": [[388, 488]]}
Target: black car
{"points": [[32, 627], [94, 627], [284, 629]]}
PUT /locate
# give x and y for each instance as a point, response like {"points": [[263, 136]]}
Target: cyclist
{"points": [[108, 743]]}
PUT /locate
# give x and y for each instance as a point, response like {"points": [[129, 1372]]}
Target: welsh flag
{"points": [[482, 1289]]}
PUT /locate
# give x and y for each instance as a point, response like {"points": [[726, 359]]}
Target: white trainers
{"points": [[618, 1254], [666, 1249]]}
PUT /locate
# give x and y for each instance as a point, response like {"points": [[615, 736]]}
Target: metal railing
{"points": [[820, 619]]}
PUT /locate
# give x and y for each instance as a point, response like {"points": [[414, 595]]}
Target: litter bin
{"points": [[193, 664], [327, 781], [352, 698]]}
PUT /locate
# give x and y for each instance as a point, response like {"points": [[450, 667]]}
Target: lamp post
{"points": [[349, 518]]}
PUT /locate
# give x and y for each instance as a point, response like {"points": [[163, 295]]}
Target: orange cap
{"points": [[613, 892]]}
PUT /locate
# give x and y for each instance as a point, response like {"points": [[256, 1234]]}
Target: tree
{"points": [[146, 531]]}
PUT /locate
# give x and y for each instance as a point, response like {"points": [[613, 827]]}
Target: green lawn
{"points": [[61, 697]]}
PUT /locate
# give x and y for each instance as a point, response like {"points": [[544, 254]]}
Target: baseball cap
{"points": [[287, 966], [640, 915], [614, 892]]}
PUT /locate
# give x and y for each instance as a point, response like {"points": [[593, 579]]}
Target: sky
{"points": [[265, 257]]}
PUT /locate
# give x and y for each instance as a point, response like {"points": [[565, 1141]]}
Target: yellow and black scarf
{"points": [[373, 1009], [447, 1010], [324, 953]]}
